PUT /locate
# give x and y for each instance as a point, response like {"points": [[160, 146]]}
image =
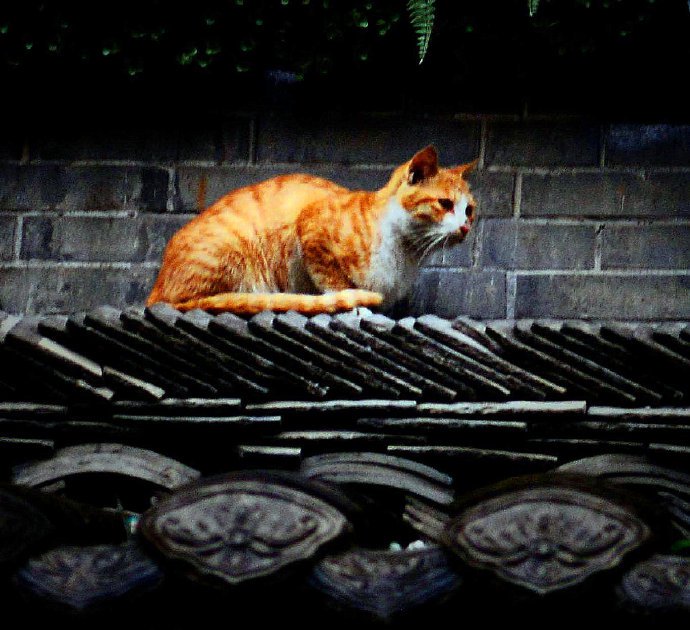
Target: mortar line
{"points": [[511, 294], [637, 170], [35, 263], [598, 245], [595, 221], [478, 246], [253, 140], [517, 194], [635, 272], [170, 201], [603, 134], [99, 214], [483, 137], [87, 214], [19, 227]]}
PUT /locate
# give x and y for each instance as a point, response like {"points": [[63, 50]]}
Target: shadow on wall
{"points": [[577, 219]]}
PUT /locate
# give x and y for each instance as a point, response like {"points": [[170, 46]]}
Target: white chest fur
{"points": [[394, 266]]}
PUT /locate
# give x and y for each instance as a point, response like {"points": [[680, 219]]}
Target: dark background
{"points": [[627, 57]]}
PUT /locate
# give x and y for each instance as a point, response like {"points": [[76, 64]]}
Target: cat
{"points": [[299, 242]]}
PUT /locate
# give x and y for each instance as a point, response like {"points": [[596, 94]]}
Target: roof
{"points": [[396, 461]]}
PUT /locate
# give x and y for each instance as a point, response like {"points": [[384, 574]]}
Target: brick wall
{"points": [[578, 219]]}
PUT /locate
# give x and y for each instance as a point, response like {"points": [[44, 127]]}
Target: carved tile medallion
{"points": [[80, 577], [385, 582], [239, 528], [545, 538], [662, 582]]}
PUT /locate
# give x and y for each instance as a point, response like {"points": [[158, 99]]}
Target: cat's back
{"points": [[250, 227], [263, 211], [274, 201]]}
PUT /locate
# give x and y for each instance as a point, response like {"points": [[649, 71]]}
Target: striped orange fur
{"points": [[299, 242]]}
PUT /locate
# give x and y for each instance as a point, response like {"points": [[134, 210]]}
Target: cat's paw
{"points": [[348, 300]]}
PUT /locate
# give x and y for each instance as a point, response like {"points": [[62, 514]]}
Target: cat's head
{"points": [[437, 200]]}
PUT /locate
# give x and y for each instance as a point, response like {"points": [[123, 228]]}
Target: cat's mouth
{"points": [[459, 235]]}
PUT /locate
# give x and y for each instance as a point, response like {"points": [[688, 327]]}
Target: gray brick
{"points": [[368, 140], [493, 193], [98, 239], [159, 229], [8, 227], [646, 247], [83, 239], [659, 144], [541, 143], [52, 187], [152, 141], [518, 244], [56, 289], [479, 294], [606, 195], [194, 184], [603, 296]]}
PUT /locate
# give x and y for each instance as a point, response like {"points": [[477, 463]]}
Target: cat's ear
{"points": [[465, 169], [423, 165]]}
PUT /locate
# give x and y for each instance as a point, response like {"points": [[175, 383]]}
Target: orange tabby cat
{"points": [[304, 243]]}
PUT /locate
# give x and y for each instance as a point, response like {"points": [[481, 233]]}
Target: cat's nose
{"points": [[469, 219]]}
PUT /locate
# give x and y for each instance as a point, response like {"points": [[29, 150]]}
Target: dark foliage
{"points": [[581, 53]]}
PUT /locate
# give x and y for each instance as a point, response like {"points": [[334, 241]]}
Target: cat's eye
{"points": [[469, 211], [446, 204]]}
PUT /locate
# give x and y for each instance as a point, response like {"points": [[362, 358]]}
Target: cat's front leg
{"points": [[324, 268], [331, 281], [330, 260]]}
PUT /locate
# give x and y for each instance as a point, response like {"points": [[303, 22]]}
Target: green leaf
{"points": [[422, 14], [533, 5], [681, 545]]}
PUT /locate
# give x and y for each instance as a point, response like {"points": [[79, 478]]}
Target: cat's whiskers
{"points": [[440, 241], [431, 242], [424, 240], [422, 244]]}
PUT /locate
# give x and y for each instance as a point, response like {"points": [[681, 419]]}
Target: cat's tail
{"points": [[252, 303]]}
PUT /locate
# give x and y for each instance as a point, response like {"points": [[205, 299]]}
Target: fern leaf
{"points": [[422, 14], [533, 5]]}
